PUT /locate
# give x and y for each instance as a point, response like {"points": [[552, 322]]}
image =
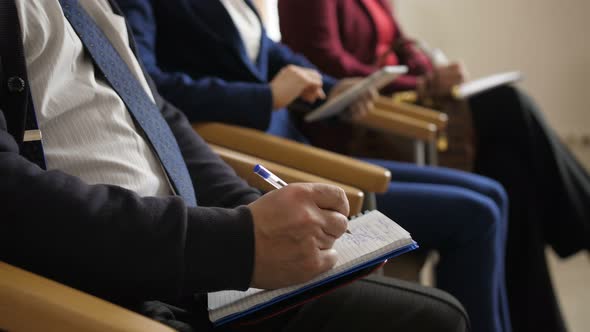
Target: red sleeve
{"points": [[409, 55], [311, 27], [417, 61]]}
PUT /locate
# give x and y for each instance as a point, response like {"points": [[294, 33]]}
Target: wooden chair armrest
{"points": [[439, 119], [329, 165], [405, 97], [244, 164], [29, 302], [398, 124]]}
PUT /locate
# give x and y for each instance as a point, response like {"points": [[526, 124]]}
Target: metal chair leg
{"points": [[432, 156], [419, 153]]}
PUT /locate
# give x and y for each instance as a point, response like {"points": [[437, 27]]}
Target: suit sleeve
{"points": [[281, 56], [112, 243], [212, 237], [242, 103]]}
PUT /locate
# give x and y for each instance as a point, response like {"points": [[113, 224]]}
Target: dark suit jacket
{"points": [[109, 241], [339, 36], [196, 56]]}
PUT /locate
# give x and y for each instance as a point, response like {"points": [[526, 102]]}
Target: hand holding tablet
{"points": [[341, 102]]}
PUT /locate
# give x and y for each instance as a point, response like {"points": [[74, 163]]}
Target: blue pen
{"points": [[269, 177], [274, 180]]}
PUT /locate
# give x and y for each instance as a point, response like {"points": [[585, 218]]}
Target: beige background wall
{"points": [[548, 40]]}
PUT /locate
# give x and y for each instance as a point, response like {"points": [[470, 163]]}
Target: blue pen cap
{"points": [[260, 170]]}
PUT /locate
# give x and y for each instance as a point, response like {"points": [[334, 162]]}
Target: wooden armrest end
{"points": [[440, 119], [244, 164], [398, 124], [329, 165], [405, 97], [29, 302]]}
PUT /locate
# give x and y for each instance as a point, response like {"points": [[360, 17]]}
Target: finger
{"points": [[309, 98], [324, 241], [367, 107], [330, 197], [453, 80], [310, 87], [457, 71], [311, 76], [327, 259], [454, 66], [321, 93], [448, 82], [311, 95], [353, 112], [304, 78], [360, 111], [462, 73], [333, 224], [312, 73]]}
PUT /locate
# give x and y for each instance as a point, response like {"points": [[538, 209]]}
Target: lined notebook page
{"points": [[373, 235]]}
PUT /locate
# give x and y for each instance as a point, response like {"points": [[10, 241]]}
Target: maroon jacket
{"points": [[339, 36]]}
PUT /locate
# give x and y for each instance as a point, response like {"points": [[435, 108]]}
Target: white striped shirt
{"points": [[87, 130]]}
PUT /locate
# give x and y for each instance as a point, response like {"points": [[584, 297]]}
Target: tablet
{"points": [[339, 103]]}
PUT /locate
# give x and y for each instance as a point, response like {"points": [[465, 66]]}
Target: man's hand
{"points": [[295, 228], [293, 82], [363, 104]]}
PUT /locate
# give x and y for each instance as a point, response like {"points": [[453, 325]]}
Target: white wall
{"points": [[546, 39]]}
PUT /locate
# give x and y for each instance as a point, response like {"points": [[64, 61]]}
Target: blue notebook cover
{"points": [[333, 278], [374, 239]]}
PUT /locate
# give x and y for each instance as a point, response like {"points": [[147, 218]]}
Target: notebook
{"points": [[339, 103], [468, 89], [374, 238], [471, 88]]}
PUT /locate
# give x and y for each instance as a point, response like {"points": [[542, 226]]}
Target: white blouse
{"points": [[248, 25]]}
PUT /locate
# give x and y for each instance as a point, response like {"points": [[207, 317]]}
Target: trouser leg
{"points": [[462, 226], [514, 149], [405, 172], [370, 304], [374, 304]]}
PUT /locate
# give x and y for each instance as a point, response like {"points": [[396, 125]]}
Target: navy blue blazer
{"points": [[195, 54]]}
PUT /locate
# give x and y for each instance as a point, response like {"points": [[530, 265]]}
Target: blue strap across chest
{"points": [[143, 110]]}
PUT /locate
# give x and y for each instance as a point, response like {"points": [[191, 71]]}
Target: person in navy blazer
{"points": [[196, 56], [201, 63]]}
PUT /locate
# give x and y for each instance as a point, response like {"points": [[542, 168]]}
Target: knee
{"points": [[497, 193], [434, 309], [446, 313], [441, 311], [483, 216]]}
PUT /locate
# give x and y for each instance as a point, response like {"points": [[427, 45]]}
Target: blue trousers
{"points": [[461, 215], [464, 217]]}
